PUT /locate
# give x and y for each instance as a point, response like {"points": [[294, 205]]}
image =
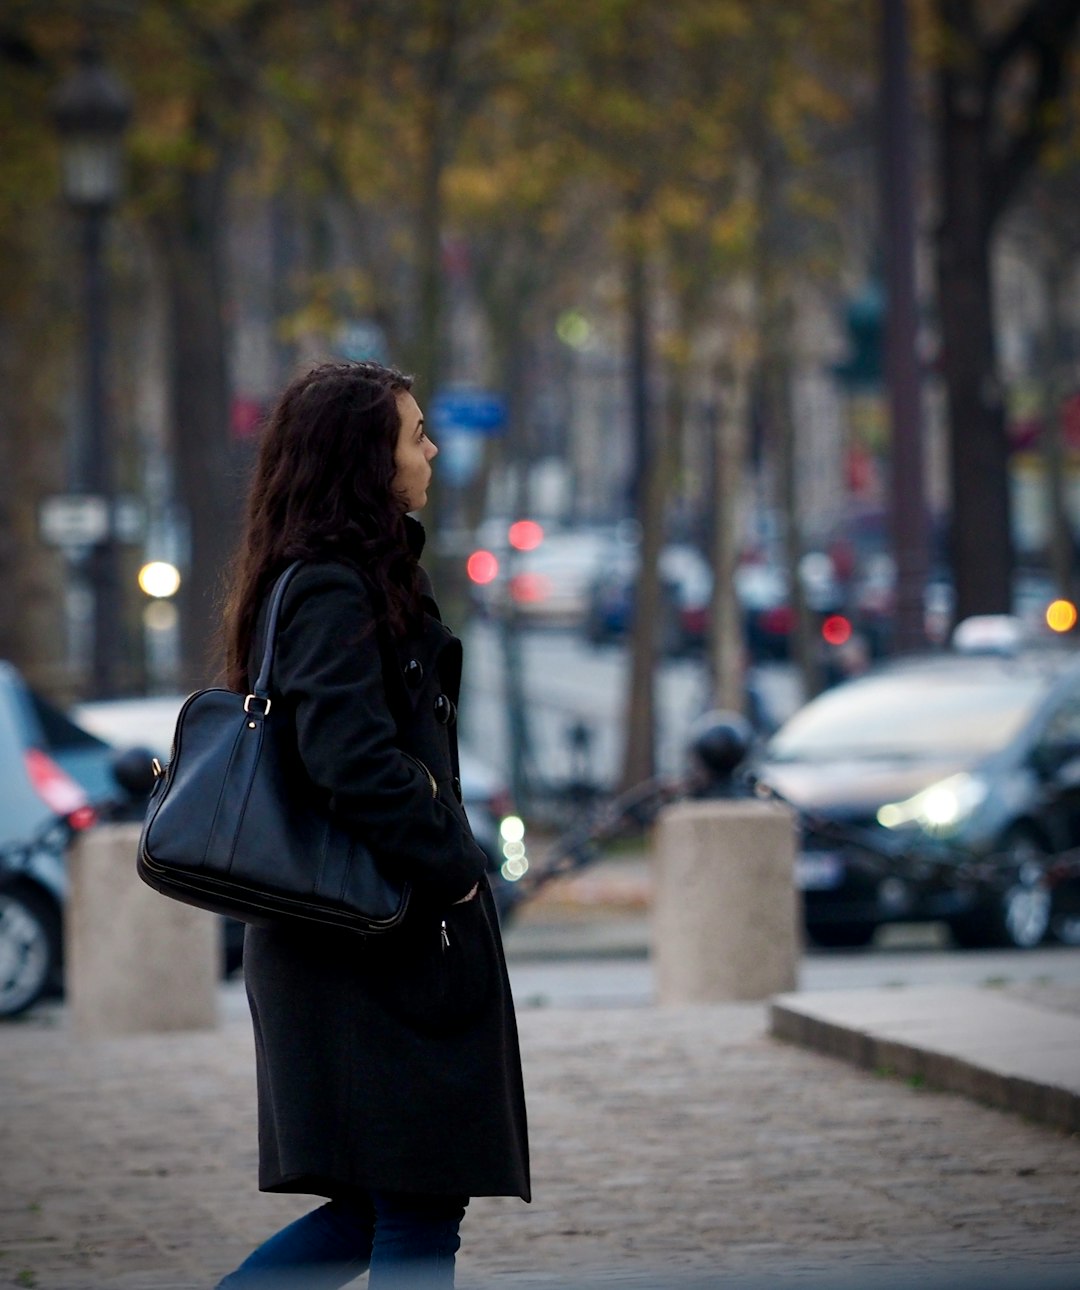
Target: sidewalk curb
{"points": [[998, 1051]]}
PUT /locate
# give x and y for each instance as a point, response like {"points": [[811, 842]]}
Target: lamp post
{"points": [[91, 110]]}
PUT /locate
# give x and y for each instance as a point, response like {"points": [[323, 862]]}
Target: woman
{"points": [[388, 1072]]}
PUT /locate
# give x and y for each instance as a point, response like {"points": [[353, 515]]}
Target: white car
{"points": [[551, 585]]}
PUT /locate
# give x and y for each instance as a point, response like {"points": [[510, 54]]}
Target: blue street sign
{"points": [[469, 411]]}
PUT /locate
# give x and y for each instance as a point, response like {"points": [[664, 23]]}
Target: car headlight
{"points": [[941, 808]]}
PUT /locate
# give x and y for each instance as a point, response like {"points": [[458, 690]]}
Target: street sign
{"points": [[469, 411], [82, 519], [74, 519]]}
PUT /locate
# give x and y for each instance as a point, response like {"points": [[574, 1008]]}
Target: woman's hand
{"points": [[465, 899]]}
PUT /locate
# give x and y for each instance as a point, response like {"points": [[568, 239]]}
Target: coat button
{"points": [[456, 786], [414, 671], [444, 710]]}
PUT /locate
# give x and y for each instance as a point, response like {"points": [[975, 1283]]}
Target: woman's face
{"points": [[413, 454]]}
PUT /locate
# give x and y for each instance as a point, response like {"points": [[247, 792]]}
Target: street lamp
{"points": [[91, 109]]}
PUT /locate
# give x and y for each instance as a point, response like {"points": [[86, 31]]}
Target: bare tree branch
{"points": [[1049, 34], [1043, 22]]}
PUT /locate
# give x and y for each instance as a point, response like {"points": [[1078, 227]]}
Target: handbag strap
{"points": [[262, 681]]}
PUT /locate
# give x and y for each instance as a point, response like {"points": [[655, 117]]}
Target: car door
{"points": [[1057, 758], [22, 812]]}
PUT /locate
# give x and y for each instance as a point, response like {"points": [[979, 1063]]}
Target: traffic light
{"points": [[864, 319]]}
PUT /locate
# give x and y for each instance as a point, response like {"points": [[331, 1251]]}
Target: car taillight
{"points": [[779, 620], [530, 588], [694, 620], [82, 818], [60, 793], [482, 567], [836, 630]]}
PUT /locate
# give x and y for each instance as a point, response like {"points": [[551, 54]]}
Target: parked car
{"points": [[548, 586], [761, 592], [955, 756], [53, 777], [685, 590]]}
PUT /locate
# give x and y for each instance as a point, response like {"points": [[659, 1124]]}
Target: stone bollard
{"points": [[725, 914], [135, 961]]}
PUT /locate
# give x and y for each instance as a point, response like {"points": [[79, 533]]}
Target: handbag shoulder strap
{"points": [[262, 681]]}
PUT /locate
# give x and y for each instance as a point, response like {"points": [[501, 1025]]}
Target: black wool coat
{"points": [[388, 1062]]}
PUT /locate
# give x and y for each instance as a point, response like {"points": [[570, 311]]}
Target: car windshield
{"points": [[917, 714]]}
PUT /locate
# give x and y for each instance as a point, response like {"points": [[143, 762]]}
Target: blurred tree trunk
{"points": [[1061, 546], [774, 383], [510, 346], [980, 526], [991, 134], [33, 575], [36, 343], [40, 330], [207, 482], [437, 127], [776, 399], [648, 489], [727, 644]]}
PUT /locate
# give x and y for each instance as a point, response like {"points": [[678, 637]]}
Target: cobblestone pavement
{"points": [[669, 1146]]}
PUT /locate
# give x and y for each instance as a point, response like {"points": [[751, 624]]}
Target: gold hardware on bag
{"points": [[156, 765], [247, 705]]}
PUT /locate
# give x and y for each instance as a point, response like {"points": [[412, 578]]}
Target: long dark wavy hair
{"points": [[323, 487]]}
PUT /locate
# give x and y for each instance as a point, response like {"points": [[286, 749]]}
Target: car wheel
{"points": [[841, 936], [29, 949], [1065, 914], [1065, 928], [1019, 916]]}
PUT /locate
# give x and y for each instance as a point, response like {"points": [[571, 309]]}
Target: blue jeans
{"points": [[408, 1242]]}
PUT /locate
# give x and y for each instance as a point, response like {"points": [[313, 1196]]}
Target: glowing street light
{"points": [[159, 579]]}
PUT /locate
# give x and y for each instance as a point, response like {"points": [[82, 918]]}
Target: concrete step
{"points": [[1001, 1051]]}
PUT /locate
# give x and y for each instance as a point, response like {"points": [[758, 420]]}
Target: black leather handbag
{"points": [[233, 824]]}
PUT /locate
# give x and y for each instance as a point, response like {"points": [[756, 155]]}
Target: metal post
{"points": [[95, 457], [91, 110], [908, 501]]}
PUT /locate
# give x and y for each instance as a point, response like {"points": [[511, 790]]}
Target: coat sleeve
{"points": [[328, 668]]}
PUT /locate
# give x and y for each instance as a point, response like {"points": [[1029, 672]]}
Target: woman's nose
{"points": [[433, 449]]}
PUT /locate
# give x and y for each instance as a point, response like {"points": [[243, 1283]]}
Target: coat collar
{"points": [[417, 539], [415, 536]]}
